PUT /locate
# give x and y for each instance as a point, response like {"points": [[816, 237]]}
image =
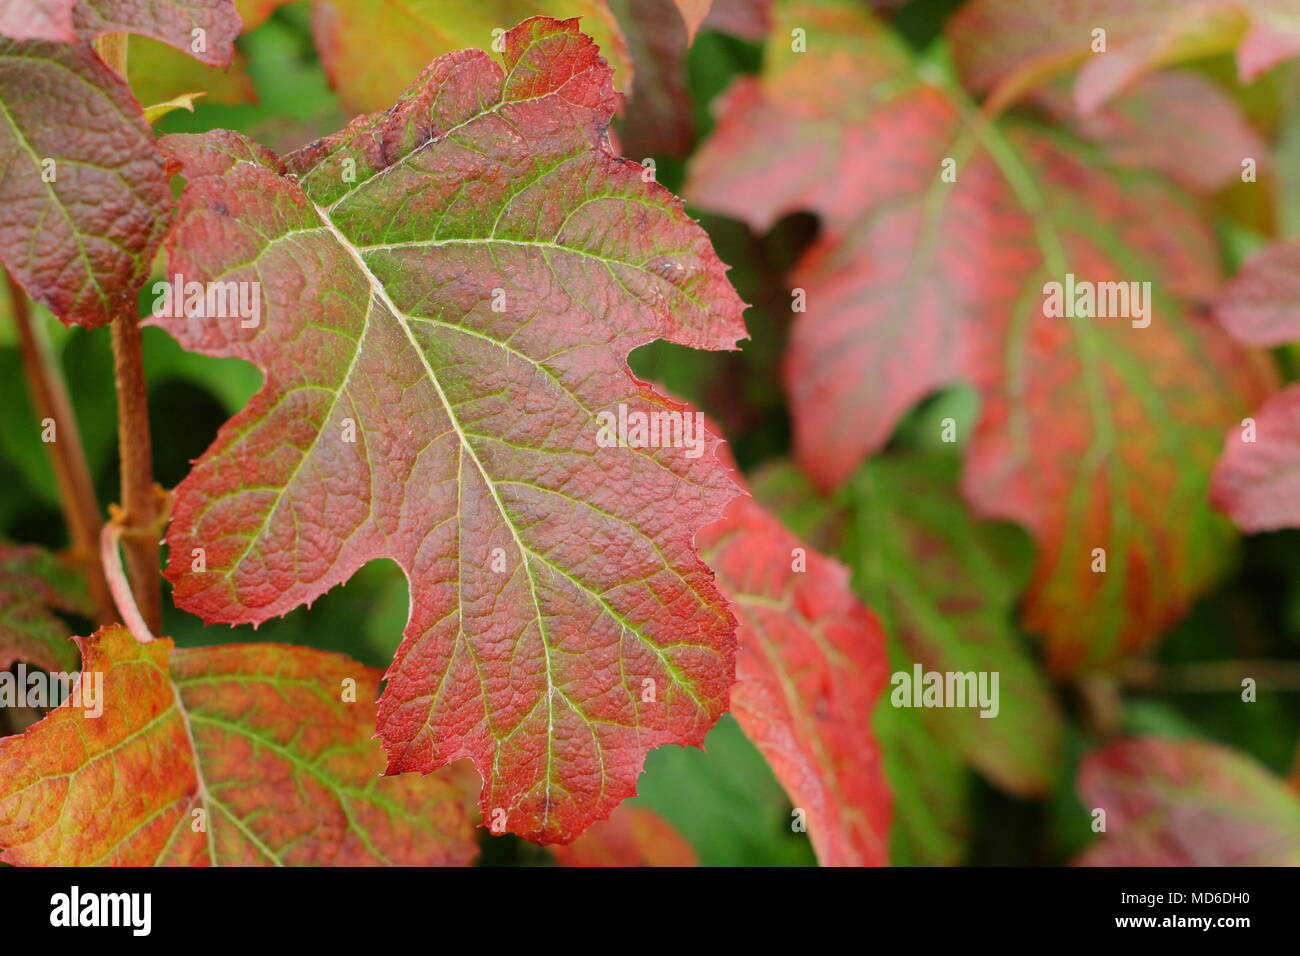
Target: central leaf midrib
{"points": [[378, 291]]}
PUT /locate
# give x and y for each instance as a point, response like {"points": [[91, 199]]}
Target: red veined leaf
{"points": [[34, 582], [632, 836], [1176, 122], [1257, 481], [239, 755], [1260, 305], [462, 307], [174, 22], [348, 32], [810, 666], [84, 201], [1006, 47], [1187, 803], [1092, 431], [945, 587]]}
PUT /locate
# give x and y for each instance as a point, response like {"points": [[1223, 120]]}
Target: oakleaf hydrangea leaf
{"points": [[238, 755], [449, 293], [941, 242]]}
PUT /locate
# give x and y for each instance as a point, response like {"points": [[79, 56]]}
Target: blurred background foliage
{"points": [[724, 800]]}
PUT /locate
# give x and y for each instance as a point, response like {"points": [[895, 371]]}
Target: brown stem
{"points": [[141, 498], [67, 454], [141, 521]]}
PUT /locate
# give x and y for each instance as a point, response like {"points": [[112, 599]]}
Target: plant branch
{"points": [[67, 454], [142, 500]]}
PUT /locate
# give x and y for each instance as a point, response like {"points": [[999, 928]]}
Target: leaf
{"points": [[1188, 803], [657, 116], [1261, 303], [1175, 122], [82, 243], [256, 736], [693, 13], [749, 19], [945, 586], [32, 584], [1257, 481], [1091, 431], [810, 666], [411, 33], [1005, 47], [171, 21], [632, 836], [930, 784], [550, 577]]}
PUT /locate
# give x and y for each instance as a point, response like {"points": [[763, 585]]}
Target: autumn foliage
{"points": [[909, 358]]}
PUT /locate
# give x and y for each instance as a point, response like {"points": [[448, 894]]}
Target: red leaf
{"points": [[1261, 305], [549, 576], [1188, 803], [1257, 481], [84, 201], [632, 836], [1091, 431], [810, 667], [171, 21], [237, 755]]}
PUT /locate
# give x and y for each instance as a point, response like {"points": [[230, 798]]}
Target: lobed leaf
{"points": [[1092, 431], [219, 756], [551, 578], [1187, 803]]}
